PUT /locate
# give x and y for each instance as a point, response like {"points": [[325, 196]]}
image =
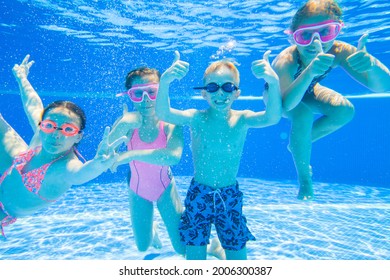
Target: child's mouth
{"points": [[222, 102]]}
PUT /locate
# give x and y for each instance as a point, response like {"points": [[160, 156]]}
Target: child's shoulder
{"points": [[340, 47], [131, 119], [287, 58]]}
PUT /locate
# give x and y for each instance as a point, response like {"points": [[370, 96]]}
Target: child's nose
{"points": [[316, 36], [57, 134], [220, 91]]}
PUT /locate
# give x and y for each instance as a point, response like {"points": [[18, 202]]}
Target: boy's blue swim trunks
{"points": [[223, 207]]}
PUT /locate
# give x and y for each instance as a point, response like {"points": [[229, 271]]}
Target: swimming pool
{"points": [[83, 49], [345, 222]]}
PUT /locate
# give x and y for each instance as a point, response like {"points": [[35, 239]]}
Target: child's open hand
{"points": [[262, 69], [361, 61], [321, 63], [21, 71], [177, 70]]}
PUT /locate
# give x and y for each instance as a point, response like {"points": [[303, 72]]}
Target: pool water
{"points": [[345, 222], [83, 50]]}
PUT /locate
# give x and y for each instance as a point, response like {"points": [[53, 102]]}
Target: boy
{"points": [[218, 136]]}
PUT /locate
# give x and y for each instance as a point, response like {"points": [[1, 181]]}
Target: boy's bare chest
{"points": [[218, 135]]}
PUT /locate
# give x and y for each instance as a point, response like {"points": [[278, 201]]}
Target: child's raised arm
{"points": [[262, 69], [32, 103], [293, 90], [164, 111], [365, 68], [103, 160]]}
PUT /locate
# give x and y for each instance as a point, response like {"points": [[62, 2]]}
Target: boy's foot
{"points": [[215, 249]]}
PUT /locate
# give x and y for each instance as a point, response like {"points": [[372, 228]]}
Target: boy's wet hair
{"points": [[71, 107], [140, 72], [220, 64], [316, 7]]}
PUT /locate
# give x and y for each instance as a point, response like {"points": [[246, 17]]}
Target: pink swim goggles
{"points": [[138, 92], [66, 129], [325, 31]]}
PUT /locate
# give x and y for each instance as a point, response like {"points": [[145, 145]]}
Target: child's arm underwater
{"points": [[32, 103], [170, 155], [164, 111], [262, 69], [128, 121], [104, 159], [365, 68], [293, 90]]}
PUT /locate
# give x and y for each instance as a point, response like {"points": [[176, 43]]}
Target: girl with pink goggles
{"points": [[67, 129], [138, 92], [325, 31]]}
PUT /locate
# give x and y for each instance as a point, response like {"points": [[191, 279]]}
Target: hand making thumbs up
{"points": [[177, 70], [361, 61], [262, 69]]}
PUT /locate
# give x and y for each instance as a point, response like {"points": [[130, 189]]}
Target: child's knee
{"points": [[346, 113]]}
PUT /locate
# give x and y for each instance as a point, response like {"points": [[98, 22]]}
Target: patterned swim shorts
{"points": [[223, 208]]}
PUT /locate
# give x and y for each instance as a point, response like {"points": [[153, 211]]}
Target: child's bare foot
{"points": [[215, 249], [306, 190], [156, 242]]}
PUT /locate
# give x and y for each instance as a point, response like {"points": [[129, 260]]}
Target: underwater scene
{"points": [[83, 50]]}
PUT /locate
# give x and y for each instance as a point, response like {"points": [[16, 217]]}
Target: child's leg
{"points": [[196, 252], [141, 214], [11, 144], [170, 208], [236, 255], [336, 109], [300, 147]]}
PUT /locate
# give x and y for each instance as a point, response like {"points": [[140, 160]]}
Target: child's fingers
{"points": [[106, 133], [125, 108], [118, 142], [177, 56], [318, 46], [266, 55], [362, 42], [26, 58]]}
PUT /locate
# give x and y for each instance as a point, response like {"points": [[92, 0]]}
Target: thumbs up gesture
{"points": [[262, 69], [361, 61], [177, 70]]}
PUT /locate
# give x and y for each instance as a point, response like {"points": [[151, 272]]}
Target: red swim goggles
{"points": [[66, 129], [325, 31], [137, 93]]}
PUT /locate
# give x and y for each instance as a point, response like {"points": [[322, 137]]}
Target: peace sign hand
{"points": [[106, 154], [21, 71]]}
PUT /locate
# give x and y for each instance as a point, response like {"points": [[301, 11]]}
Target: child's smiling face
{"points": [[221, 99]]}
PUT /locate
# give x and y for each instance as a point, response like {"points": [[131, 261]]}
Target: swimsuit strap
{"points": [[300, 66]]}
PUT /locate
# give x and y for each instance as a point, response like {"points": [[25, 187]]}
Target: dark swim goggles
{"points": [[213, 87]]}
